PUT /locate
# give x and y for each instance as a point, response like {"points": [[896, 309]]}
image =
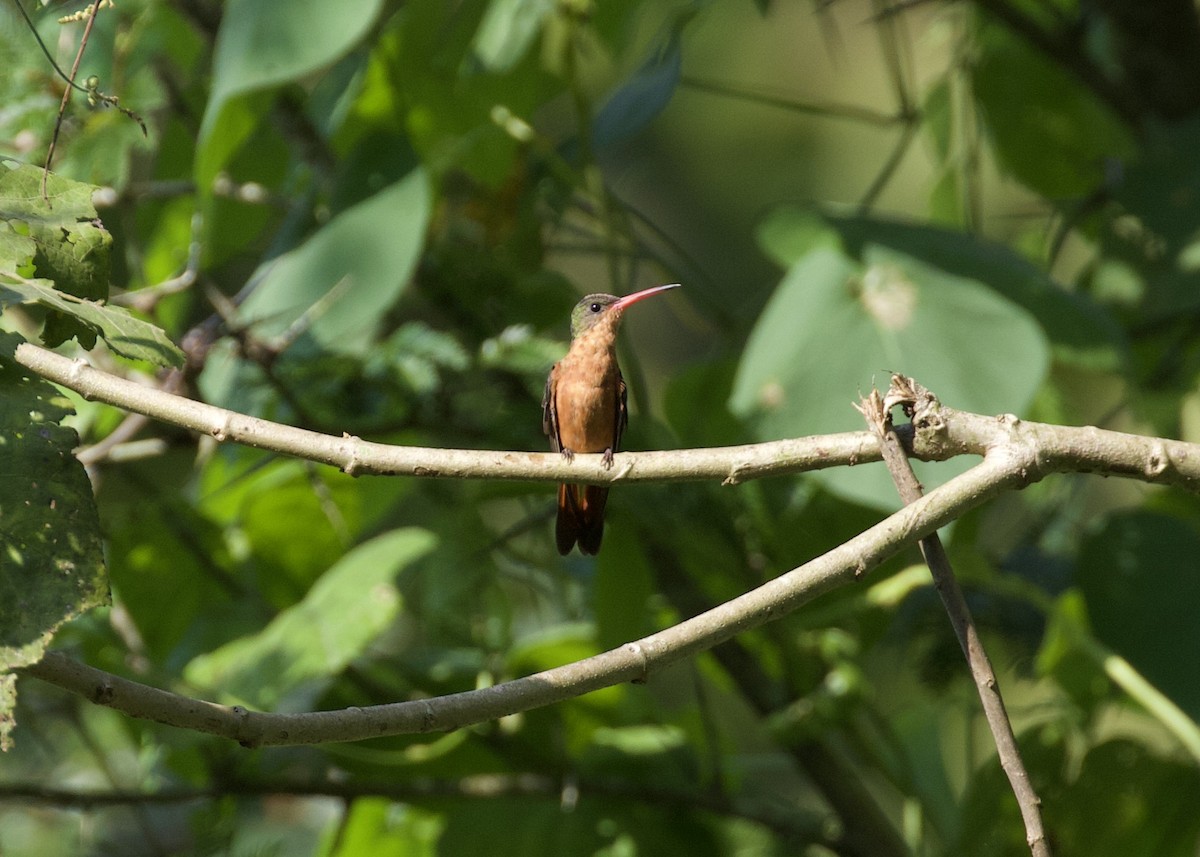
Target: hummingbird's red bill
{"points": [[629, 300]]}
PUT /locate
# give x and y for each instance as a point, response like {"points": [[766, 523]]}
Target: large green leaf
{"points": [[1081, 332], [123, 332], [262, 44], [346, 275], [58, 237], [1138, 576], [51, 558], [69, 245], [59, 240], [1128, 801], [308, 643], [836, 325], [1047, 128]]}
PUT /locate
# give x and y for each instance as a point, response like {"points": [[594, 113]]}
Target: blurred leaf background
{"points": [[374, 217]]}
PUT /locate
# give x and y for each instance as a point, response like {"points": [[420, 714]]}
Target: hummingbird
{"points": [[584, 410]]}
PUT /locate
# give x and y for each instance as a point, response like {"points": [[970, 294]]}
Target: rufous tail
{"points": [[580, 518]]}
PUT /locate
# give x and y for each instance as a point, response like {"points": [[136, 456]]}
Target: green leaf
{"points": [[347, 274], [1138, 577], [507, 30], [1047, 128], [836, 325], [641, 98], [1081, 332], [51, 556], [306, 644], [69, 244], [372, 828], [1129, 802], [262, 44], [123, 332], [1063, 653]]}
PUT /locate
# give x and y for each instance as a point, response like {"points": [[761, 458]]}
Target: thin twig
{"points": [[71, 84], [415, 790], [828, 110], [62, 108], [878, 418]]}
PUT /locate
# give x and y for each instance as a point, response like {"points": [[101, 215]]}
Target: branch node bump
{"points": [[103, 693], [1159, 461], [350, 449], [735, 475], [220, 431], [639, 652], [78, 367]]}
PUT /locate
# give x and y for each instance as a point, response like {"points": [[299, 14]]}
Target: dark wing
{"points": [[622, 414], [550, 412]]}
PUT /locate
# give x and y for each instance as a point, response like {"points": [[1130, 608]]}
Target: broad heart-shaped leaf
{"points": [[51, 558], [1081, 332], [348, 272], [310, 642], [835, 327], [69, 245], [263, 43], [123, 332]]}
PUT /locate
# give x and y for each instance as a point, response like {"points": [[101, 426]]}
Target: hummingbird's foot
{"points": [[568, 454], [608, 458]]}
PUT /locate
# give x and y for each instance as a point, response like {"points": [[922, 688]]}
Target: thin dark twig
{"points": [[884, 177], [829, 110], [876, 411], [62, 108], [71, 84]]}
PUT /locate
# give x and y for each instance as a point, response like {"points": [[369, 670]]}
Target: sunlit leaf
{"points": [[260, 45], [835, 325], [123, 332], [345, 276], [69, 244], [307, 644]]}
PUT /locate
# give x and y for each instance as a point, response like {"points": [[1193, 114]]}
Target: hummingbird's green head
{"points": [[589, 311]]}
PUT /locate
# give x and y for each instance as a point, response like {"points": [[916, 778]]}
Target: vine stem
{"points": [[66, 99]]}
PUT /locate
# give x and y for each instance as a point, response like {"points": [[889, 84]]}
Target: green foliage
{"points": [[374, 218], [260, 46], [52, 565], [973, 346], [313, 640], [348, 273], [58, 239]]}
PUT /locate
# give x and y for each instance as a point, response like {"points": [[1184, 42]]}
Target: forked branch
{"points": [[877, 411]]}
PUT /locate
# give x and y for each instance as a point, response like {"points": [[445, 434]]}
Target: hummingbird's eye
{"points": [[595, 307]]}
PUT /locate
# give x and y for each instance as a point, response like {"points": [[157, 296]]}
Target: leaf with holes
{"points": [[52, 562]]}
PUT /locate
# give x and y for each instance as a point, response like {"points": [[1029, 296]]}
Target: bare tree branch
{"points": [[357, 457], [631, 662], [939, 434]]}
